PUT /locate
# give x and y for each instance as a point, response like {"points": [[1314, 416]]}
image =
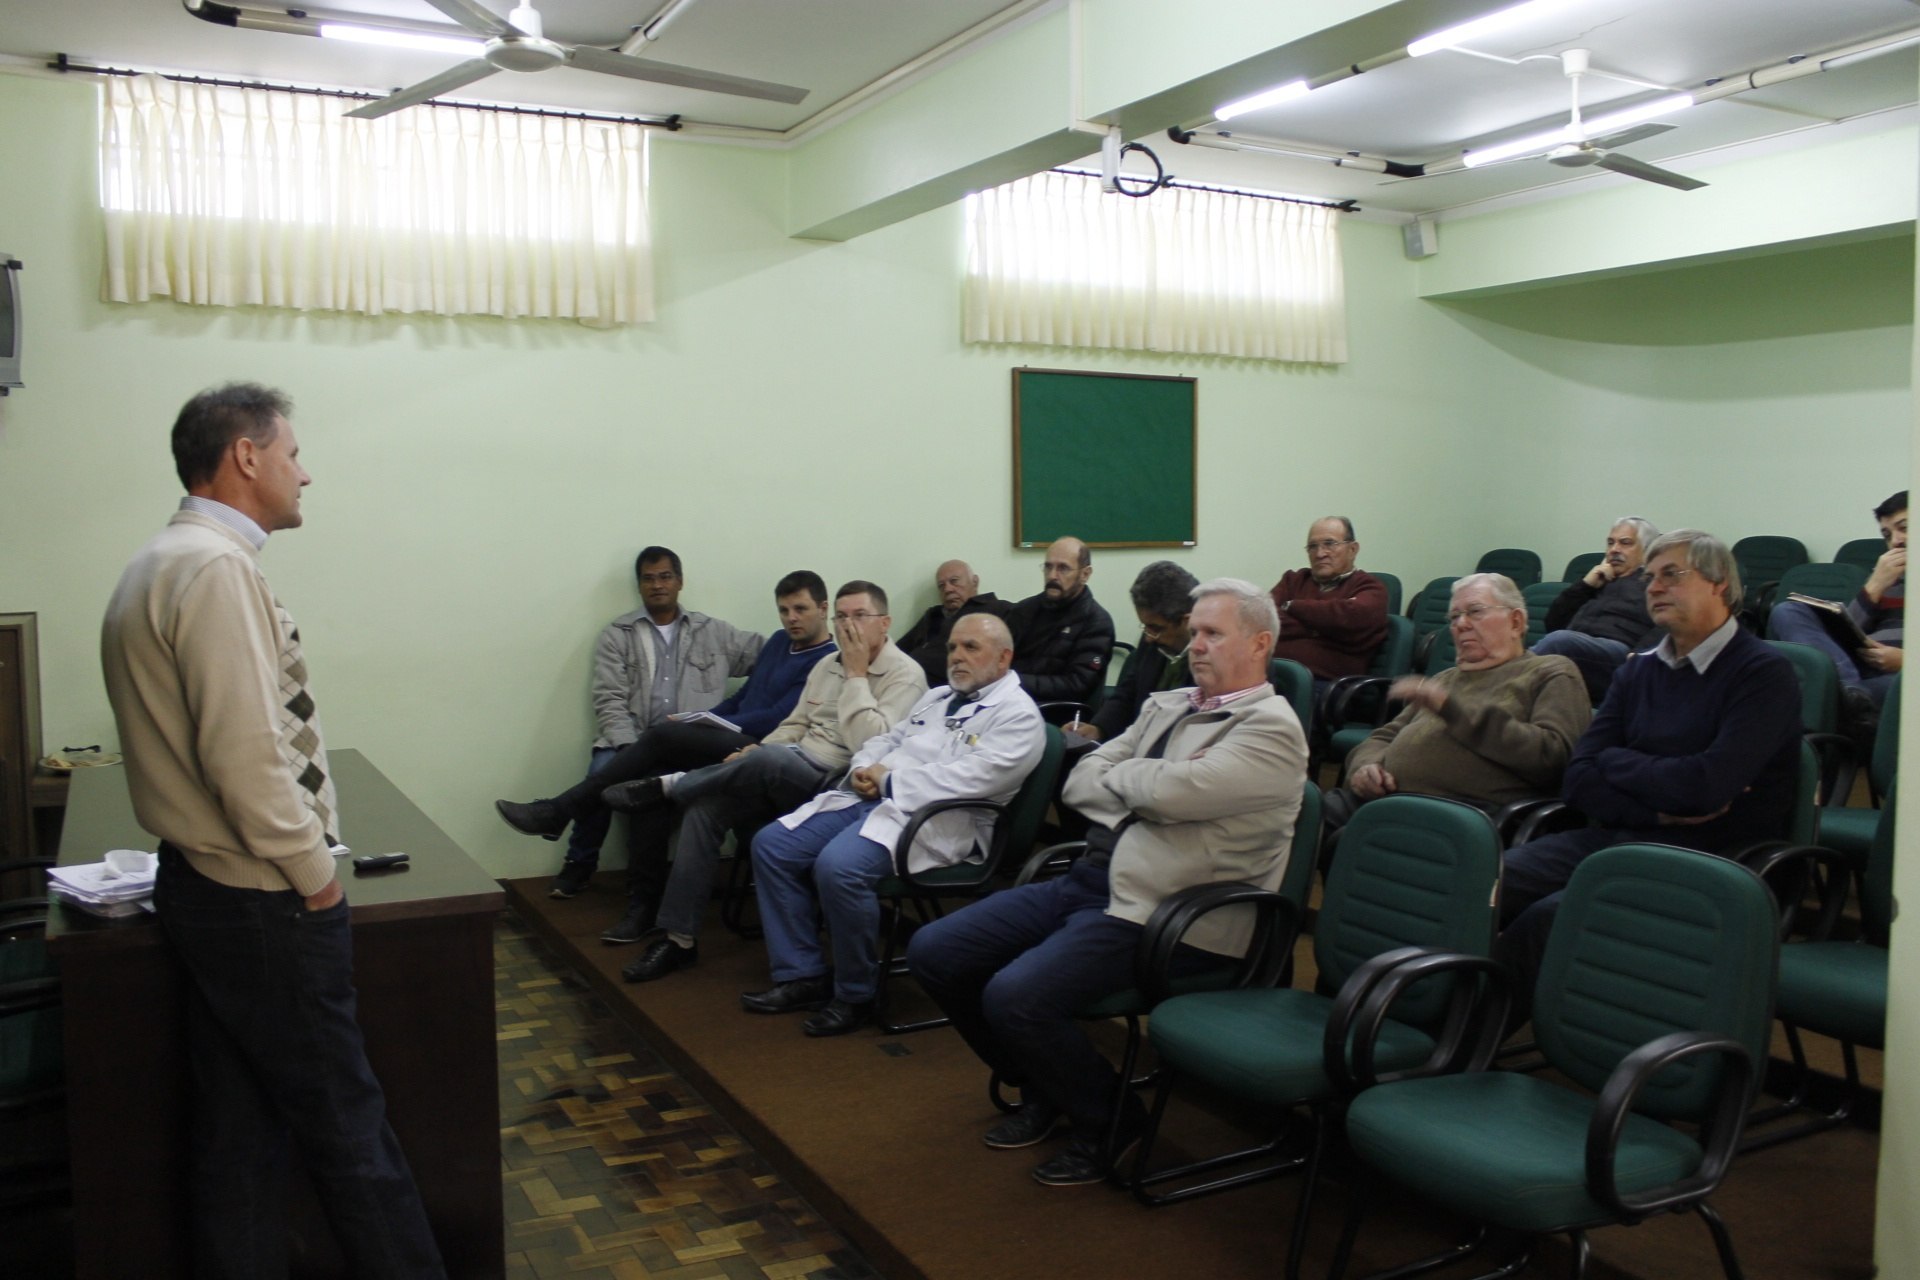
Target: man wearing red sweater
{"points": [[1333, 617]]}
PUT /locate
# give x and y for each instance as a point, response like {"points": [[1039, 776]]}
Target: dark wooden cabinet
{"points": [[19, 732]]}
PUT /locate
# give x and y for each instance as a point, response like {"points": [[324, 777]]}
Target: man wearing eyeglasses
{"points": [[1333, 617], [1696, 745], [1602, 618], [1495, 727], [862, 690]]}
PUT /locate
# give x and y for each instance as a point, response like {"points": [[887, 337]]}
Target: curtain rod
{"points": [[1343, 206], [63, 64]]}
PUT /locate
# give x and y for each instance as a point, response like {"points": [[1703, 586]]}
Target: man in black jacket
{"points": [[960, 594], [1602, 618], [1162, 598], [1062, 637]]}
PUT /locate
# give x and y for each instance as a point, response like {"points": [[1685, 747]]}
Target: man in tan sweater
{"points": [[225, 764]]}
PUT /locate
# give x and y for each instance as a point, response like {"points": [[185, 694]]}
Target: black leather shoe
{"points": [[839, 1017], [802, 994], [1081, 1163], [633, 926], [632, 797], [1031, 1125], [573, 877], [661, 959], [540, 818]]}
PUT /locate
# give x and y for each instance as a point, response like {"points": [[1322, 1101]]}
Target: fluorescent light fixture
{"points": [[1591, 127], [1260, 101], [400, 39], [1483, 25]]}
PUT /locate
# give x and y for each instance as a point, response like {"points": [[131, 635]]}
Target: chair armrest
{"points": [[26, 995], [920, 818], [1063, 704], [1277, 926], [1476, 1014], [1342, 692], [1534, 824], [26, 864], [1719, 1135], [1055, 857], [1769, 858], [1836, 755], [1510, 817]]}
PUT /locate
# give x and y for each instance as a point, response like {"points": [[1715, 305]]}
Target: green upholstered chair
{"points": [[1850, 831], [1067, 710], [1764, 559], [1356, 705], [910, 897], [1428, 611], [1834, 986], [1865, 552], [1414, 872], [1581, 565], [1268, 962], [1391, 581], [1519, 564], [1655, 994], [1441, 654], [1540, 597], [1294, 682], [1829, 580], [1820, 714]]}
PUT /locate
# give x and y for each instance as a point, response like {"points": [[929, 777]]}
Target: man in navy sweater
{"points": [[1697, 743], [688, 740]]}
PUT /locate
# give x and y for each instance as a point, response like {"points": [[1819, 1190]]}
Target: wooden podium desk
{"points": [[423, 963]]}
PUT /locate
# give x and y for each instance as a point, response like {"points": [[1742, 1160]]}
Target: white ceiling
{"points": [[1414, 111]]}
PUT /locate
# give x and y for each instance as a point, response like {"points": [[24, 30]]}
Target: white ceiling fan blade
{"points": [[447, 81], [1626, 137], [474, 17], [589, 58], [1649, 173]]}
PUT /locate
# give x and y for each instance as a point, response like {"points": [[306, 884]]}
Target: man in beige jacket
{"points": [[1203, 787]]}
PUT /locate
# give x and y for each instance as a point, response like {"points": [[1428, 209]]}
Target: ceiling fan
{"points": [[1574, 150], [517, 43]]}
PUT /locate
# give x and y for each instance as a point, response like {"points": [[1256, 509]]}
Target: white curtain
{"points": [[252, 197], [1053, 261]]}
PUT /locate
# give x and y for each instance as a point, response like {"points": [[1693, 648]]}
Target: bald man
{"points": [[960, 595], [1062, 637], [974, 738]]}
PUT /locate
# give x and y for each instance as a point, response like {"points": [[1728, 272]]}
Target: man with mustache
{"points": [[1333, 617], [1602, 618], [1062, 637]]}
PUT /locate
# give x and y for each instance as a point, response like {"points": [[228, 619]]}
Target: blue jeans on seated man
{"points": [[1014, 970], [1794, 621], [279, 1066], [1596, 656], [825, 856]]}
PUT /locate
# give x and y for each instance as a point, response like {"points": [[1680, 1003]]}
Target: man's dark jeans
{"points": [[277, 1055]]}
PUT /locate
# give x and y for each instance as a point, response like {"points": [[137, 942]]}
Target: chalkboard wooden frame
{"points": [[1109, 458]]}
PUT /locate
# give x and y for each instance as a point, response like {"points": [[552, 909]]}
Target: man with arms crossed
{"points": [[1203, 787], [960, 593], [226, 766], [1602, 618], [854, 694], [974, 738]]}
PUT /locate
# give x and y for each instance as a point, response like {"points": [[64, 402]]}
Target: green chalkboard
{"points": [[1104, 457]]}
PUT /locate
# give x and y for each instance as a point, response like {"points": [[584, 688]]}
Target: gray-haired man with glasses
{"points": [[857, 693], [1333, 617]]}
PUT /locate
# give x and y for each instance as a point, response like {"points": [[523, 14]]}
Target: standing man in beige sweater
{"points": [[226, 766]]}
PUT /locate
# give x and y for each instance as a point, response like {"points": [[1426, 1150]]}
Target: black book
{"points": [[1840, 624]]}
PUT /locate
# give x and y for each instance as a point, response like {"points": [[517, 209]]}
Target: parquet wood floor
{"points": [[614, 1167]]}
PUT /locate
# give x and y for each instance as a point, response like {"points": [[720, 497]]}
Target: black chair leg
{"points": [[1359, 1191], [1722, 1241], [1309, 1180], [1581, 1251]]}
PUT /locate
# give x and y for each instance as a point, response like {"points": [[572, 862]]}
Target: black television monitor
{"points": [[9, 322]]}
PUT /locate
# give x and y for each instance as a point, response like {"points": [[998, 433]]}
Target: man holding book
{"points": [[1867, 662]]}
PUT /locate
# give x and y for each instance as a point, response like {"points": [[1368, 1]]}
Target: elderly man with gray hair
{"points": [[1602, 618], [1495, 727], [1698, 741], [1204, 786]]}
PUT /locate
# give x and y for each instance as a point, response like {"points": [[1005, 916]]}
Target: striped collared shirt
{"points": [[1200, 702], [238, 521]]}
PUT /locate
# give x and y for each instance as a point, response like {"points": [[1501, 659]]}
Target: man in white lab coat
{"points": [[975, 738]]}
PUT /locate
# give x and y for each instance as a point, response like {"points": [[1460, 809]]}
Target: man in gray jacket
{"points": [[1203, 787], [649, 664]]}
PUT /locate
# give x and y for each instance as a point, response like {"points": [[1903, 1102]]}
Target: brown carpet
{"points": [[882, 1134]]}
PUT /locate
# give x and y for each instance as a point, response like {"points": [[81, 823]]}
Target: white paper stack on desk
{"points": [[120, 886]]}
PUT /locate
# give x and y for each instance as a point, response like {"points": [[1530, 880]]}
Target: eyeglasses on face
{"points": [[1670, 574], [1472, 613]]}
